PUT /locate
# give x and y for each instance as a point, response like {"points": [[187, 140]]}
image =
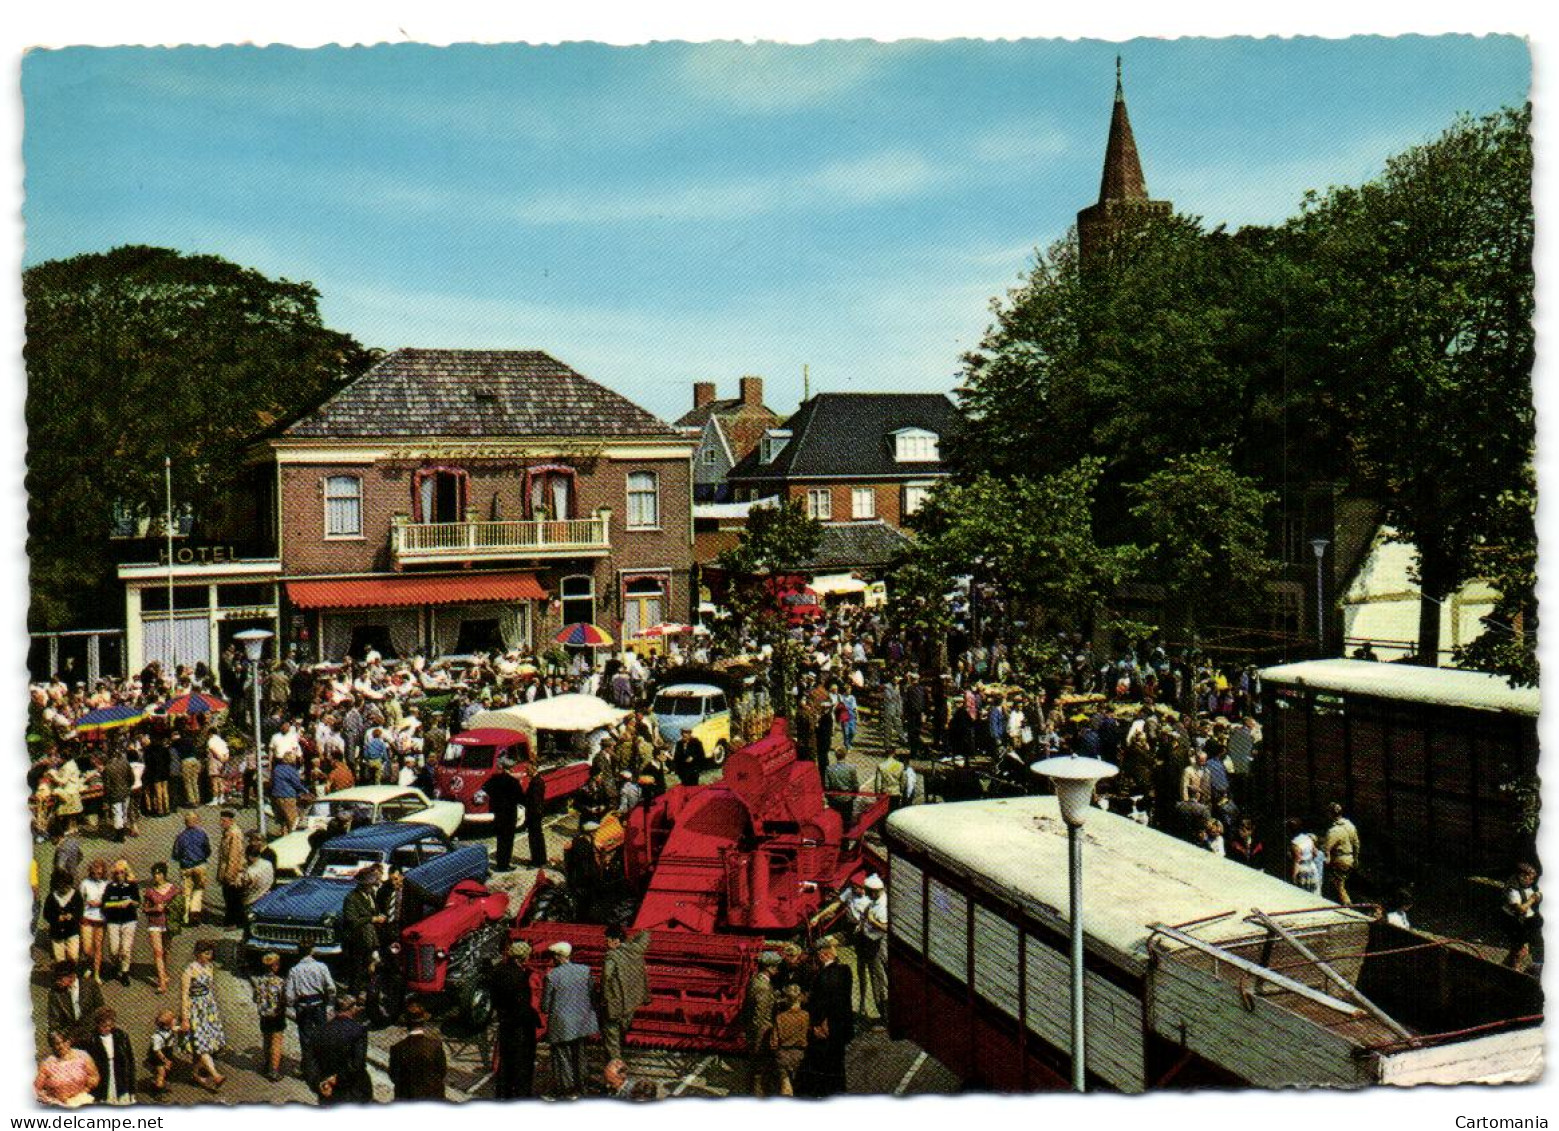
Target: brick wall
{"points": [[889, 498]]}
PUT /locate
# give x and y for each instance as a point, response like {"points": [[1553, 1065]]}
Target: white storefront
{"points": [[211, 598]]}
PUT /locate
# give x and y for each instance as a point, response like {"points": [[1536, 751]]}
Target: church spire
{"points": [[1122, 178], [1123, 192]]}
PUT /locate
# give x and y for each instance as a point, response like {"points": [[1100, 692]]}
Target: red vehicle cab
{"points": [[793, 598], [472, 759], [448, 957]]}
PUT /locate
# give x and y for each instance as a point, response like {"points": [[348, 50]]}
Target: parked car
{"points": [[701, 708], [309, 908], [362, 805]]}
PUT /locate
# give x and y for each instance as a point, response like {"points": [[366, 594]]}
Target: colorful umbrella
{"points": [[670, 628], [586, 635], [109, 718], [196, 703]]}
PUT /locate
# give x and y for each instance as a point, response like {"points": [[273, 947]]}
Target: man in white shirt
{"points": [[284, 742], [871, 933]]}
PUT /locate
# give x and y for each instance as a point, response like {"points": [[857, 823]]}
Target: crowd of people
{"points": [[1184, 732]]}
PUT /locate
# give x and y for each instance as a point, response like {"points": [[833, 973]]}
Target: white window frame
{"points": [[636, 519], [916, 445], [774, 442], [328, 497], [820, 503], [709, 456], [860, 496], [920, 492]]}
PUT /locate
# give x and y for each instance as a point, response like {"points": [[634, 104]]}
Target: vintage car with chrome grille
{"points": [[308, 910], [358, 806], [447, 958]]}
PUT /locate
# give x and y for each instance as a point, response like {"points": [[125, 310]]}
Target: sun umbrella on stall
{"points": [[584, 635], [196, 703], [670, 628], [109, 718]]}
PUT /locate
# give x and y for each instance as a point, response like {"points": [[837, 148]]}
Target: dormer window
{"points": [[774, 441], [915, 445]]}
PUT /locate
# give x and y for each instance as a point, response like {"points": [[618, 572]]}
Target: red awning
{"points": [[399, 592]]}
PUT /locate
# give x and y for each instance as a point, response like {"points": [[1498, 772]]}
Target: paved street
{"points": [[877, 1064]]}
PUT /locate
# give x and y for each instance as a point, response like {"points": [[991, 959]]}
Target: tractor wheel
{"points": [[476, 1005], [717, 758]]}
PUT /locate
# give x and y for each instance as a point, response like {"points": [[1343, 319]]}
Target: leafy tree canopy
{"points": [[142, 353]]}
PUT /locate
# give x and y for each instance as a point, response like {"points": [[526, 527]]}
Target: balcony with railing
{"points": [[435, 543]]}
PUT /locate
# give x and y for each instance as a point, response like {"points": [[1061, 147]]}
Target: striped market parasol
{"points": [[109, 718], [196, 703], [584, 635]]}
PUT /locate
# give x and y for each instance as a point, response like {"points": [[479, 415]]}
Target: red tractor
{"points": [[447, 958]]}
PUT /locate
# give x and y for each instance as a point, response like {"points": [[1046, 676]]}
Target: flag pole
{"points": [[167, 523]]}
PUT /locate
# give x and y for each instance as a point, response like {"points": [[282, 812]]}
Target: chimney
{"points": [[703, 393], [752, 392]]}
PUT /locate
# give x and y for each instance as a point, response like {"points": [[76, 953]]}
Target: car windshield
{"points": [[342, 864], [678, 704], [355, 811], [468, 757]]}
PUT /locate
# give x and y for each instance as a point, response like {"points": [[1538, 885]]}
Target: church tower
{"points": [[1123, 193]]}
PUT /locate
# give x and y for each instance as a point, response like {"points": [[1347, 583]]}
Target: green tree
{"points": [[142, 353], [1202, 522], [776, 539], [1508, 562], [1421, 337], [1176, 343], [1031, 538]]}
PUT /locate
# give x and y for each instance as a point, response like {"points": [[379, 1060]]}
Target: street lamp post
{"points": [[1074, 779], [253, 640], [1319, 546]]}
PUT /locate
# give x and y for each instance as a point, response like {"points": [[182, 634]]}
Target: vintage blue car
{"points": [[308, 910]]}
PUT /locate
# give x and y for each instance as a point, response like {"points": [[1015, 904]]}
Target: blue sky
{"points": [[662, 214]]}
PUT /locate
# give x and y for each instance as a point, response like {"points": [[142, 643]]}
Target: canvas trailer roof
{"points": [[1133, 877], [1447, 687]]}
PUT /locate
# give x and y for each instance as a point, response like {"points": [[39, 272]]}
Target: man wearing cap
{"points": [[360, 919], [343, 1057], [514, 1001], [759, 1012], [625, 986], [230, 870], [629, 794], [687, 758], [505, 795], [565, 999], [833, 1023], [418, 1065], [870, 913]]}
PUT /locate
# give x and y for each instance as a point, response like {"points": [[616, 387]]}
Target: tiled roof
{"points": [[850, 435], [485, 393], [731, 406], [856, 545]]}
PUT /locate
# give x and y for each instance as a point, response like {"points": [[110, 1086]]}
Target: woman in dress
{"points": [[1305, 860], [200, 1018], [93, 888], [156, 901], [65, 784], [65, 1078], [121, 914]]}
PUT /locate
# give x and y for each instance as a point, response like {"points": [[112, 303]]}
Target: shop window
{"points": [[343, 506], [479, 636]]}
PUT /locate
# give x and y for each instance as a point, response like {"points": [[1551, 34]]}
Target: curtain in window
{"points": [[403, 632], [192, 635], [514, 627], [561, 503]]}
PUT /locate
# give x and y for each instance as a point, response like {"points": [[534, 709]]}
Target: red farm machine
{"points": [[717, 871]]}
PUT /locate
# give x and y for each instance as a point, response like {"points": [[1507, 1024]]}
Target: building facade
{"points": [[854, 457], [726, 431], [450, 501]]}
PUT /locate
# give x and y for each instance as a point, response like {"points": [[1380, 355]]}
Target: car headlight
{"points": [[441, 954], [479, 797]]}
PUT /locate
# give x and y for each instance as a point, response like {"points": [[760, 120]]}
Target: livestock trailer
{"points": [[1431, 763], [1198, 971]]}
